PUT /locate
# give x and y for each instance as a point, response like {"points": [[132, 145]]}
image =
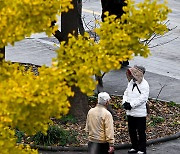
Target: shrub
{"points": [[20, 135], [171, 104], [68, 118], [55, 136], [155, 120]]}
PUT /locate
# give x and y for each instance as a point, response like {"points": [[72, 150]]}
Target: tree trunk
{"points": [[2, 54], [79, 104], [69, 24]]}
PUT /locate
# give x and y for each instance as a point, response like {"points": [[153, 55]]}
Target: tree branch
{"points": [[160, 91]]}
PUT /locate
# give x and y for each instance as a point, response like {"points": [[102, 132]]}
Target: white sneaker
{"points": [[140, 152], [132, 151]]}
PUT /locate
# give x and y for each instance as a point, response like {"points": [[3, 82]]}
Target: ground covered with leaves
{"points": [[163, 120]]}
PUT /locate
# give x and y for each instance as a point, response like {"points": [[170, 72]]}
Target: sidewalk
{"points": [[41, 51], [162, 67], [115, 83], [170, 147]]}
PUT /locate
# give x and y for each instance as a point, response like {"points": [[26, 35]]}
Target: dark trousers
{"points": [[137, 132], [98, 148]]}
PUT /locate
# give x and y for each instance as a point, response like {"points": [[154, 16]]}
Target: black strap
{"points": [[135, 85]]}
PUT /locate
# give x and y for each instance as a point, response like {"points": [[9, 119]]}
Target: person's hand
{"points": [[127, 106], [111, 149]]}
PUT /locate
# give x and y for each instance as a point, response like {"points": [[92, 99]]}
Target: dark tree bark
{"points": [[69, 24], [2, 54], [80, 23], [74, 24], [99, 79], [58, 35], [79, 104]]}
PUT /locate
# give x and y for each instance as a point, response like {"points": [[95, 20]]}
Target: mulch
{"points": [[163, 120]]}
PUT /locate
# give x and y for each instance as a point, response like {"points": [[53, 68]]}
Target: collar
{"points": [[100, 105]]}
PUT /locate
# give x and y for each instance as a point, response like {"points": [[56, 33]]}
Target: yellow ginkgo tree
{"points": [[120, 40], [23, 96], [27, 102]]}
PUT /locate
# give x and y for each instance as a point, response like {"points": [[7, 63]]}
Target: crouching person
{"points": [[99, 126]]}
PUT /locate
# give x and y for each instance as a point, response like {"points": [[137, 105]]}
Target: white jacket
{"points": [[136, 99]]}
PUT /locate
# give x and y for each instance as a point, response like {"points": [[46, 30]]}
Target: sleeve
{"points": [[109, 129], [143, 96], [86, 127], [125, 95]]}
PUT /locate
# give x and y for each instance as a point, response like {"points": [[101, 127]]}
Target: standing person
{"points": [[134, 102], [99, 126]]}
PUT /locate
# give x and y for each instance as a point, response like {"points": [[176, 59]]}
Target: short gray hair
{"points": [[103, 98]]}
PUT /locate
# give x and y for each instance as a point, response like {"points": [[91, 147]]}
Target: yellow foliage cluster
{"points": [[139, 23], [27, 101], [120, 39], [8, 146], [21, 18]]}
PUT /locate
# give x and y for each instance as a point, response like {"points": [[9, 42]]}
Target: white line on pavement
{"points": [[90, 11]]}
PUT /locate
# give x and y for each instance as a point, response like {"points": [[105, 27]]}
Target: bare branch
{"points": [[157, 36], [160, 91], [86, 24], [160, 44], [103, 74]]}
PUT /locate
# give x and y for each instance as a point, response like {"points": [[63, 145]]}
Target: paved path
{"points": [[115, 83], [165, 59], [170, 147], [41, 51], [163, 67]]}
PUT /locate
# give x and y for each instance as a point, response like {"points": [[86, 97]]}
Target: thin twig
{"points": [[157, 36], [160, 91], [160, 44]]}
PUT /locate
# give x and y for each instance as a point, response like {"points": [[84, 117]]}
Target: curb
{"points": [[150, 142], [117, 147]]}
